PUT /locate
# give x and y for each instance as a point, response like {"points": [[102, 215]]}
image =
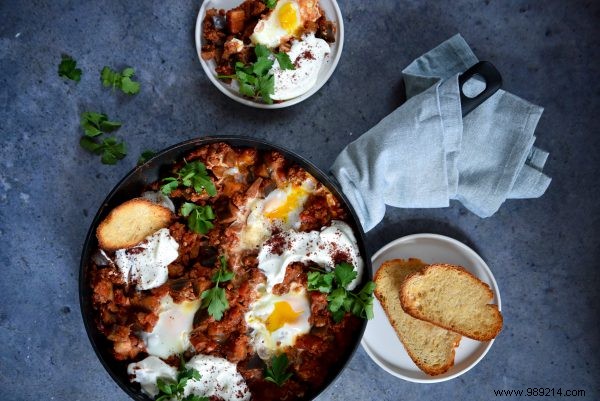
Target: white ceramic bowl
{"points": [[332, 12]]}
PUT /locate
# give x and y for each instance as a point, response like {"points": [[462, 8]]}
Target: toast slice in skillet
{"points": [[130, 223]]}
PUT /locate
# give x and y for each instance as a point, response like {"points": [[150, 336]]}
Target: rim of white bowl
{"points": [[225, 89]]}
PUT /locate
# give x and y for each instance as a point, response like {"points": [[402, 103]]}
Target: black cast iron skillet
{"points": [[132, 186], [136, 181]]}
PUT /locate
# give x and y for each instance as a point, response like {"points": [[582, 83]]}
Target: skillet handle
{"points": [[493, 82]]}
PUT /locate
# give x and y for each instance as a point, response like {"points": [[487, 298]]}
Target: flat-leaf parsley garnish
{"points": [[191, 175], [110, 148], [145, 156], [255, 79], [122, 80], [68, 69], [169, 390], [270, 3], [94, 125], [214, 298], [278, 373], [198, 217], [339, 299]]}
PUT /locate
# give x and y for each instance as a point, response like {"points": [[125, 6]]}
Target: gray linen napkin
{"points": [[424, 153]]}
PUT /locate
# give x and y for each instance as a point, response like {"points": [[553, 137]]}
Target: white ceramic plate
{"points": [[380, 340], [332, 12]]}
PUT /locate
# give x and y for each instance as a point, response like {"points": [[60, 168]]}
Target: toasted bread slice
{"points": [[451, 297], [429, 346], [129, 223]]}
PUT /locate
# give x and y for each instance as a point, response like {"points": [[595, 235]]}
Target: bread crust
{"points": [[413, 264], [407, 302], [130, 223]]}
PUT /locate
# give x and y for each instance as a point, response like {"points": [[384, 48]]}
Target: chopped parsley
{"points": [[339, 299], [214, 298], [277, 373], [255, 79], [68, 69], [123, 81], [169, 390], [191, 175], [198, 217]]}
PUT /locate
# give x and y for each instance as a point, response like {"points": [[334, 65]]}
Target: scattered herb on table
{"points": [[255, 79], [198, 217], [277, 373], [214, 298], [122, 80], [68, 69], [110, 148], [145, 156], [94, 125], [339, 299], [169, 390], [191, 175]]}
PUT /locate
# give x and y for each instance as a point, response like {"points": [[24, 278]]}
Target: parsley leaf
{"points": [[270, 3], [344, 274], [95, 124], [284, 61], [277, 372], [169, 390], [216, 301], [214, 298], [255, 79], [339, 299], [110, 149], [145, 156], [67, 68], [191, 175], [320, 282], [123, 81], [198, 217]]}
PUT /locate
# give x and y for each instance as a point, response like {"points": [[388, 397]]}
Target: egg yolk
{"points": [[288, 17], [282, 314], [293, 201]]}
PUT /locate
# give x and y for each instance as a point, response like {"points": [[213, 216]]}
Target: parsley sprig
{"points": [[214, 298], [145, 156], [94, 125], [122, 80], [340, 300], [277, 373], [191, 175], [198, 217], [270, 3], [255, 79], [169, 390], [68, 68]]}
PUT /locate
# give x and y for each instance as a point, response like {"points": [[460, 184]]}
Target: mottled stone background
{"points": [[544, 252]]}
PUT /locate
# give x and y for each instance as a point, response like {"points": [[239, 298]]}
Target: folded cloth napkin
{"points": [[424, 153]]}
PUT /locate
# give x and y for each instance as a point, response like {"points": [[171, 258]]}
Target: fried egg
{"points": [[171, 334], [277, 320], [280, 209], [282, 23]]}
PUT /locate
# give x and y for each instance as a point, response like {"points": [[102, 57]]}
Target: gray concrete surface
{"points": [[544, 253]]}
